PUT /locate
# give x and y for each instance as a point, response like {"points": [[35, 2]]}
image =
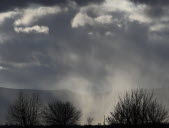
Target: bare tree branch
{"points": [[138, 107], [26, 110], [61, 113]]}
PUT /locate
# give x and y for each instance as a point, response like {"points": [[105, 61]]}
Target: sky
{"points": [[84, 45]]}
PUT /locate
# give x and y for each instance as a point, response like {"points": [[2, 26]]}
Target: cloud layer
{"points": [[95, 41], [33, 29]]}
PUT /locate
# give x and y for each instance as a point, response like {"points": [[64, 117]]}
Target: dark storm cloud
{"points": [[37, 60], [34, 61], [41, 58], [12, 4], [153, 2], [157, 8]]}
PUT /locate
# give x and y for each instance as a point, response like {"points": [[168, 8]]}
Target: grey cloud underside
{"points": [[47, 61], [152, 2], [8, 4], [47, 58], [157, 7]]}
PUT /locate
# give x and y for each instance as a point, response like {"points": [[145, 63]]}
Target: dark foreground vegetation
{"points": [[94, 126], [136, 108]]}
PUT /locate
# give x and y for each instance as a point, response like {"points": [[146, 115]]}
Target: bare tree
{"points": [[34, 110], [61, 113], [138, 107], [25, 111], [90, 120], [157, 113]]}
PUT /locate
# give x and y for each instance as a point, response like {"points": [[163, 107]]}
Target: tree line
{"points": [[134, 108]]}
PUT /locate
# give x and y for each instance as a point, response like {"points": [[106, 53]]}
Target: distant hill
{"points": [[8, 96]]}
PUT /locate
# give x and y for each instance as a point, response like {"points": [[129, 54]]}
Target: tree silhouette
{"points": [[25, 111], [61, 113], [90, 120], [157, 113], [138, 107]]}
